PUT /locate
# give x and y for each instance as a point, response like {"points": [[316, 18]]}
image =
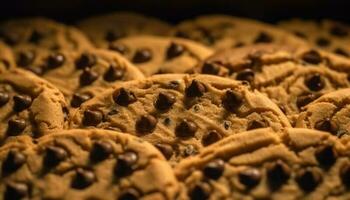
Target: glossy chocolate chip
{"points": [[55, 60], [338, 30], [142, 55], [124, 97], [312, 57], [315, 82], [16, 126], [87, 77], [126, 163], [305, 99], [129, 194], [113, 73], [164, 101], [4, 98], [278, 174], [25, 58], [185, 129], [263, 38], [166, 149], [92, 118], [325, 125], [13, 161], [308, 179], [232, 101], [211, 137], [249, 177], [120, 48], [78, 99], [210, 68], [323, 42], [342, 52], [21, 102], [35, 37], [344, 174], [16, 191], [255, 124], [214, 169], [195, 89], [100, 151], [326, 156], [83, 179], [54, 155], [200, 191], [146, 124], [86, 60], [246, 75], [174, 50]]}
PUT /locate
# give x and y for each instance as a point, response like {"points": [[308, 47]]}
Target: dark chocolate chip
{"points": [[201, 191], [25, 58], [195, 89], [308, 179], [186, 128], [4, 98], [255, 124], [263, 38], [167, 121], [249, 177], [92, 118], [16, 191], [325, 125], [166, 149], [35, 37], [124, 97], [16, 126], [146, 124], [54, 155], [315, 82], [113, 35], [214, 169], [305, 99], [344, 174], [211, 137], [323, 42], [164, 101], [232, 101], [342, 52], [87, 77], [86, 60], [100, 150], [338, 30], [278, 173], [142, 55], [78, 99], [120, 48], [246, 75], [21, 102], [174, 50], [300, 34], [113, 73], [210, 68], [326, 156], [13, 161], [312, 57], [83, 179], [129, 194], [227, 124], [126, 163], [55, 60]]}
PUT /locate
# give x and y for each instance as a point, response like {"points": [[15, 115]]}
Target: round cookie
{"points": [[86, 164], [80, 75], [29, 106], [178, 113], [294, 164], [105, 29], [291, 77], [42, 32], [326, 34], [7, 59], [221, 32], [161, 55]]}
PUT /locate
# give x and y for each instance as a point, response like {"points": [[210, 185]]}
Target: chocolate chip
{"points": [[16, 126], [16, 190], [174, 85], [308, 179], [167, 121], [120, 48], [54, 155], [214, 169], [164, 101], [186, 128], [13, 161], [86, 60], [195, 89], [342, 52], [113, 73], [211, 137], [338, 30], [25, 58], [250, 177], [278, 173], [305, 99], [142, 55], [113, 35], [4, 98], [200, 191], [125, 164], [55, 60], [124, 97], [21, 102], [78, 99], [232, 101], [344, 174], [92, 118], [300, 34], [129, 194], [35, 37], [255, 124], [100, 150], [326, 156], [325, 125], [174, 50], [83, 179], [227, 124], [166, 149], [246, 75], [146, 124], [312, 57], [315, 82], [323, 42], [263, 38], [210, 68], [87, 77]]}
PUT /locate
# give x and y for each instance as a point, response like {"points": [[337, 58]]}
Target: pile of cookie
{"points": [[126, 107]]}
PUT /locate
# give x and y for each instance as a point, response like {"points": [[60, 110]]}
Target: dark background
{"points": [[176, 10]]}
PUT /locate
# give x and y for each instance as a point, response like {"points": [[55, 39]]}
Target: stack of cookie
{"points": [[128, 107]]}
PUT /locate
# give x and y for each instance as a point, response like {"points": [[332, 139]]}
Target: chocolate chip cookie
{"points": [[220, 31], [78, 74], [7, 59], [180, 114], [326, 34], [160, 55], [260, 164], [86, 164], [105, 29], [42, 32], [29, 106]]}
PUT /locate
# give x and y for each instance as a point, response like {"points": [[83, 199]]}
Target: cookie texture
{"points": [[29, 106], [107, 28], [221, 31], [326, 34], [160, 55], [7, 59], [42, 32], [260, 164], [85, 164], [80, 75], [180, 114]]}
